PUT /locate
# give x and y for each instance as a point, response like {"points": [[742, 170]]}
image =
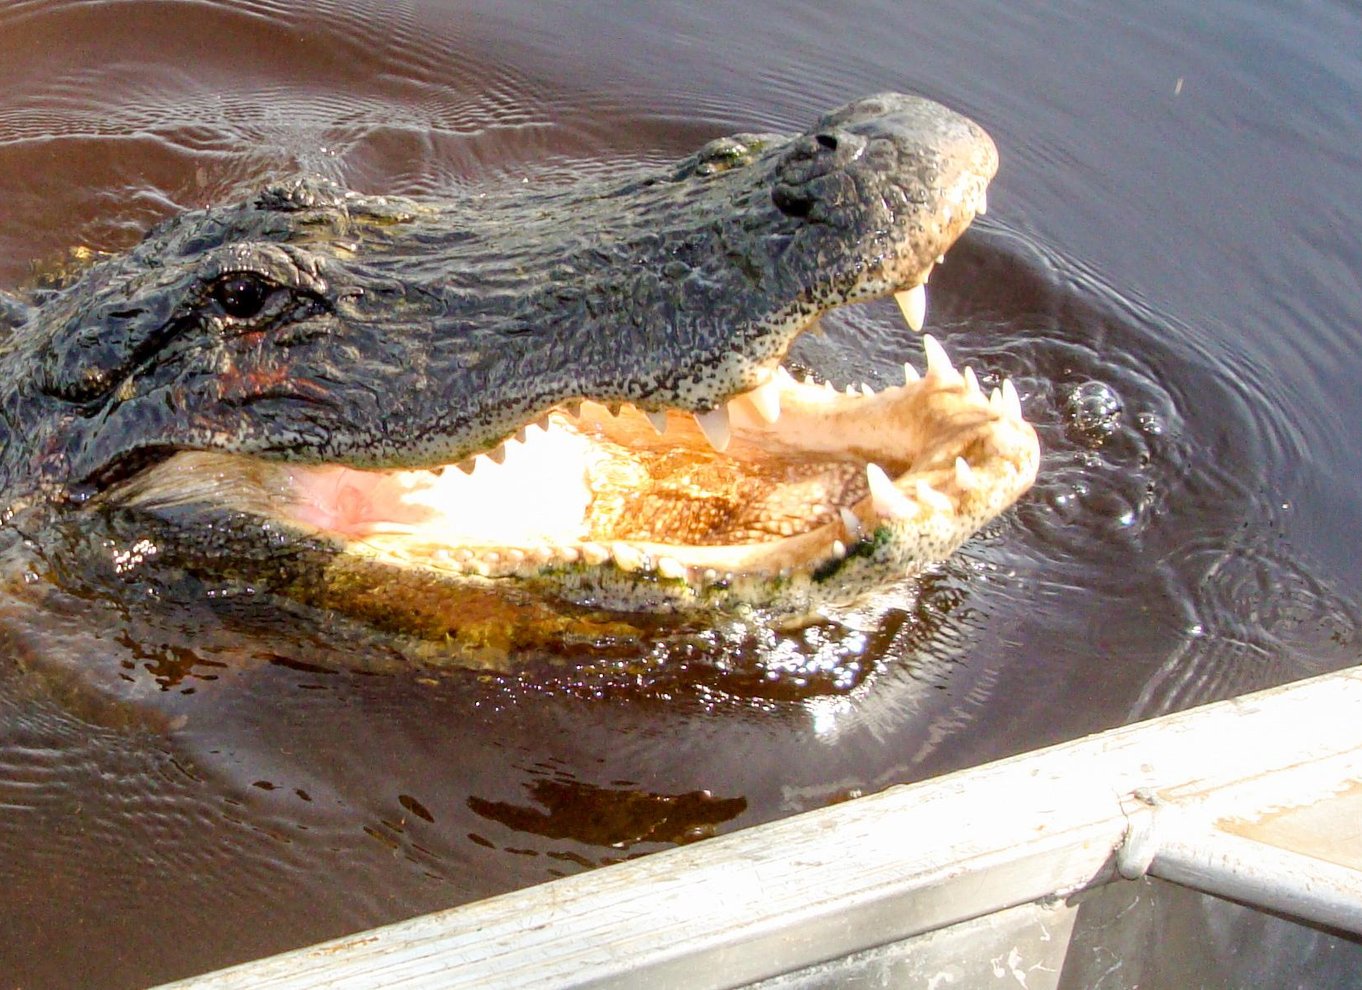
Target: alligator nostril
{"points": [[828, 141], [792, 201]]}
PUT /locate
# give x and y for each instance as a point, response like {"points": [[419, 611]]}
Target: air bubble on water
{"points": [[1093, 409]]}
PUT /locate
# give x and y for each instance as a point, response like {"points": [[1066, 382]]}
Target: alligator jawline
{"points": [[808, 475]]}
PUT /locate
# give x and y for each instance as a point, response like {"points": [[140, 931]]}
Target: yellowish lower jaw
{"points": [[785, 484]]}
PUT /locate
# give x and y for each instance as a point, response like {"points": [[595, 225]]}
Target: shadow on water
{"points": [[189, 784]]}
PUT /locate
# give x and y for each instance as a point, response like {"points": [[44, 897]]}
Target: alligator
{"points": [[528, 413]]}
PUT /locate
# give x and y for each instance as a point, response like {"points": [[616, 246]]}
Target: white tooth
{"points": [[766, 400], [521, 434], [851, 523], [714, 425], [497, 456], [910, 374], [913, 304], [468, 465], [995, 400], [867, 391], [853, 390], [964, 475], [658, 419], [887, 499], [938, 361], [628, 558], [1011, 400], [671, 569], [839, 549], [784, 376], [971, 380], [940, 259], [982, 206], [928, 495], [594, 554], [543, 422]]}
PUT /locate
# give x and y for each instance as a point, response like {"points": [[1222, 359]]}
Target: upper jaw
{"points": [[859, 207], [744, 258]]}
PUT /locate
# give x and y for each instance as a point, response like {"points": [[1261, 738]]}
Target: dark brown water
{"points": [[1174, 235]]}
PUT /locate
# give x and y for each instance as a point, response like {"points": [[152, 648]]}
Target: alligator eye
{"points": [[242, 296]]}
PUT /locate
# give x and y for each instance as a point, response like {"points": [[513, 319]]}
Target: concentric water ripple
{"points": [[1168, 274]]}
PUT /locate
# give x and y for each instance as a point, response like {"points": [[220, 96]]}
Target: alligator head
{"points": [[568, 394]]}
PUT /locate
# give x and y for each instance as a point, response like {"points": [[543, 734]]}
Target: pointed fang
{"points": [[965, 478], [766, 400], [887, 499], [938, 361], [1011, 400], [658, 419], [913, 304], [714, 425]]}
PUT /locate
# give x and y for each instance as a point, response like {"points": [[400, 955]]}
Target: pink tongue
{"points": [[353, 503]]}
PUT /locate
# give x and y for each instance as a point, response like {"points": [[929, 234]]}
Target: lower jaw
{"points": [[480, 604], [461, 620]]}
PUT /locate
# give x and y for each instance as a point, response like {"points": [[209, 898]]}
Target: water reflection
{"points": [[617, 817], [244, 779]]}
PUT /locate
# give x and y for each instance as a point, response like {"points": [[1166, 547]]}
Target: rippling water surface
{"points": [[1169, 271]]}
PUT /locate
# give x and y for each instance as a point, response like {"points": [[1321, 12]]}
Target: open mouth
{"points": [[776, 491], [618, 429]]}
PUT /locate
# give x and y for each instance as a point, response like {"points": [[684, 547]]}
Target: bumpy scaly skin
{"points": [[316, 324], [405, 333]]}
